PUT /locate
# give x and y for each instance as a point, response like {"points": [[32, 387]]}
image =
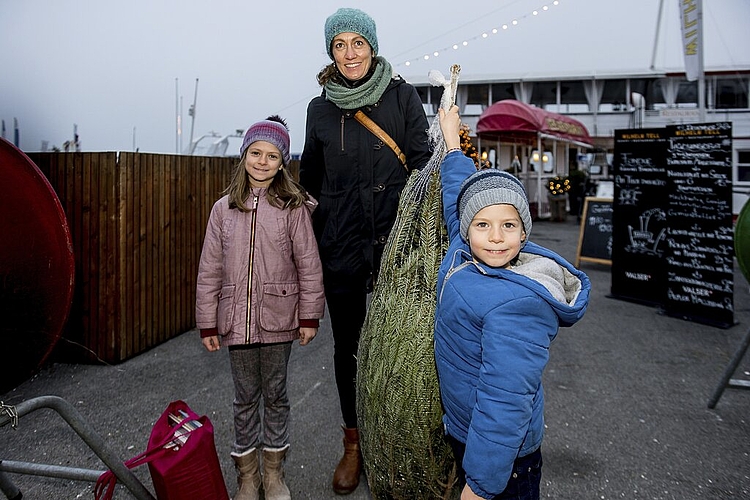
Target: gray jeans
{"points": [[260, 370]]}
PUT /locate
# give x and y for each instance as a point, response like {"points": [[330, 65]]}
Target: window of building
{"points": [[573, 97], [687, 95], [743, 165], [430, 97], [672, 93], [654, 95], [478, 94], [731, 92], [638, 86], [545, 96], [614, 96], [502, 91]]}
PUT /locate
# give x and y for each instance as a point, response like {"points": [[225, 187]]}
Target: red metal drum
{"points": [[37, 269]]}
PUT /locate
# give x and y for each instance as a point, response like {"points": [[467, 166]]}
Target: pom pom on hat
{"points": [[491, 187], [346, 20], [273, 130]]}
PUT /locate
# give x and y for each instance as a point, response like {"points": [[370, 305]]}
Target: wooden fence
{"points": [[137, 222]]}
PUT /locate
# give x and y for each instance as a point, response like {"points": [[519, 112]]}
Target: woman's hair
{"points": [[283, 192], [330, 72]]}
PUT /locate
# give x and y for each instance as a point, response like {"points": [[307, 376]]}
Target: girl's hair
{"points": [[283, 192]]}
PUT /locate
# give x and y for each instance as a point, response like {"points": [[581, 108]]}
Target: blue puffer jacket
{"points": [[493, 330]]}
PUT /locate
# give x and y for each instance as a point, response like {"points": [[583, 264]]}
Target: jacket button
{"points": [[283, 292], [379, 188]]}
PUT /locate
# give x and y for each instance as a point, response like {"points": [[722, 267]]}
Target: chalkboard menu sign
{"points": [[699, 264], [595, 235], [672, 232], [639, 218]]}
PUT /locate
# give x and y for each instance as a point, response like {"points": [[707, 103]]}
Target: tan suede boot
{"points": [[346, 476], [273, 474], [248, 475]]}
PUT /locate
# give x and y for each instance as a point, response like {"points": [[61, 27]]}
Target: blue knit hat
{"points": [[491, 187], [346, 20], [270, 131]]}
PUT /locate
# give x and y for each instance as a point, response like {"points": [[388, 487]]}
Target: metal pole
{"points": [[701, 70], [540, 167], [191, 112], [9, 489], [87, 434], [177, 115], [656, 36], [726, 378], [57, 471]]}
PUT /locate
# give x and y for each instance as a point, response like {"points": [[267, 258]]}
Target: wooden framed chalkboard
{"points": [[595, 236]]}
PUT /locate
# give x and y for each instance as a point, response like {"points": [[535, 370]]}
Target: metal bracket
{"points": [[726, 379], [11, 414]]}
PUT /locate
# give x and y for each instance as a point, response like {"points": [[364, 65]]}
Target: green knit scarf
{"points": [[366, 94]]}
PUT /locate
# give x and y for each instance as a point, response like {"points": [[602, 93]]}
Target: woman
{"points": [[357, 179]]}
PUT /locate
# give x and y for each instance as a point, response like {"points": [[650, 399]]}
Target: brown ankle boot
{"points": [[346, 476], [274, 487], [248, 475]]}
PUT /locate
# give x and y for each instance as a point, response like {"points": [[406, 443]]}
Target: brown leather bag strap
{"points": [[381, 134]]}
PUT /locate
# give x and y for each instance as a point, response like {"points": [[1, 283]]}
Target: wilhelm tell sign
{"points": [[672, 220]]}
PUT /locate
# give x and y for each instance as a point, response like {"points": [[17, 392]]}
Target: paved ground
{"points": [[627, 417]]}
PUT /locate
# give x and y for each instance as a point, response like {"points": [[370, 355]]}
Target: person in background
{"points": [[260, 287], [501, 301], [357, 178]]}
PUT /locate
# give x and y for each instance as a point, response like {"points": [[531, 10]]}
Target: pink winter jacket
{"points": [[286, 282]]}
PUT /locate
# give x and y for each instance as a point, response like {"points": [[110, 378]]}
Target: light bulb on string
{"points": [[482, 35]]}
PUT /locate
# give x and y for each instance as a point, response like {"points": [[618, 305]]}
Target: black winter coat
{"points": [[357, 179]]}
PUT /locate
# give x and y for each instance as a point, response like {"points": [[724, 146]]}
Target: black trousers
{"points": [[347, 310], [524, 481]]}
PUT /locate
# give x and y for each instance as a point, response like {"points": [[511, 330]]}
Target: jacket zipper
{"points": [[453, 270], [342, 133], [253, 219]]}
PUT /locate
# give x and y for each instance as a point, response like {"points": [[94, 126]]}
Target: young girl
{"points": [[501, 300], [260, 286]]}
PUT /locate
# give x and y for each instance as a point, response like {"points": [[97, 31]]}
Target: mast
{"points": [[191, 112], [656, 36], [177, 115], [701, 67]]}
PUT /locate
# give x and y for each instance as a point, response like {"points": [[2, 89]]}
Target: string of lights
{"points": [[485, 34]]}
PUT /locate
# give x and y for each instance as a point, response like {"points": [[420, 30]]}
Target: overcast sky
{"points": [[111, 67]]}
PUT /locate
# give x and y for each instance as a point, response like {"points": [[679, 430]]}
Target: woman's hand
{"points": [[211, 343], [450, 124], [306, 334]]}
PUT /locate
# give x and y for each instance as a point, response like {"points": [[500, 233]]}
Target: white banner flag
{"points": [[691, 17]]}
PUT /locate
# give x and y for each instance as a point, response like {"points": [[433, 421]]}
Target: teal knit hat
{"points": [[346, 20]]}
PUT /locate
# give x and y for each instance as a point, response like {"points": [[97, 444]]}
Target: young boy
{"points": [[501, 300]]}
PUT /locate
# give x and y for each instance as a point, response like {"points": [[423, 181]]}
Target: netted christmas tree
{"points": [[405, 453]]}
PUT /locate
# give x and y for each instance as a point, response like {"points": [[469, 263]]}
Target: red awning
{"points": [[514, 121]]}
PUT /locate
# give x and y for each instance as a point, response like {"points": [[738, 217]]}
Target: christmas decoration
{"points": [[468, 148], [558, 186]]}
